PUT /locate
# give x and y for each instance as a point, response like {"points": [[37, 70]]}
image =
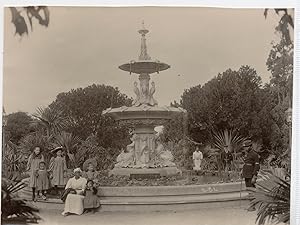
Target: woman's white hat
{"points": [[77, 170]]}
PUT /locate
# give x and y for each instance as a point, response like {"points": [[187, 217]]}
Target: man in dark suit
{"points": [[251, 165], [250, 168], [227, 158]]}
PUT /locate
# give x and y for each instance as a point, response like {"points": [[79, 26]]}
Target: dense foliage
{"points": [[75, 121], [84, 106], [18, 125]]}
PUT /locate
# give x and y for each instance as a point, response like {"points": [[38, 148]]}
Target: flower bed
{"points": [[187, 178]]}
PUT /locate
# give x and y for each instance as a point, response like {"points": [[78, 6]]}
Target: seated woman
{"points": [[74, 191]]}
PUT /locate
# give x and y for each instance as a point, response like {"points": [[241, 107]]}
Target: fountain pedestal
{"points": [[146, 154]]}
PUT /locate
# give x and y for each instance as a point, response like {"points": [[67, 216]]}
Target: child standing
{"points": [[90, 173], [32, 166], [91, 201], [42, 180], [58, 168]]}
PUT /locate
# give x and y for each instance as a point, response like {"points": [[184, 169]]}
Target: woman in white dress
{"points": [[197, 157], [74, 201]]}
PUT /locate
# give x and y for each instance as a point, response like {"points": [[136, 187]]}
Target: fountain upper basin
{"points": [[146, 66]]}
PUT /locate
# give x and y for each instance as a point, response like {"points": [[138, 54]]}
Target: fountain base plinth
{"points": [[163, 171]]}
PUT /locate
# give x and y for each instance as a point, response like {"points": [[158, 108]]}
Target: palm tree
{"points": [[272, 197], [50, 120], [70, 143]]}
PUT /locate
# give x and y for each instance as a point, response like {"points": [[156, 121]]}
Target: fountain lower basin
{"points": [[143, 115]]}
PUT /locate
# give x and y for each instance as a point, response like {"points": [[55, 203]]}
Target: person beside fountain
{"points": [[250, 169], [89, 170], [197, 157], [73, 194], [91, 201], [58, 169], [42, 180], [32, 166], [227, 158]]}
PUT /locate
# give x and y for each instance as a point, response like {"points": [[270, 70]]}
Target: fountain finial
{"points": [[143, 55]]}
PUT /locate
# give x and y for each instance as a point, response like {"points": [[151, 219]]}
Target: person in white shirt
{"points": [[74, 200], [197, 157]]}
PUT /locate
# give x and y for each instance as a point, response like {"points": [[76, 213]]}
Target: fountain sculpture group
{"points": [[145, 154]]}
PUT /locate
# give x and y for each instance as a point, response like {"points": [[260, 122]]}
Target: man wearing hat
{"points": [[250, 168], [251, 165], [227, 158]]}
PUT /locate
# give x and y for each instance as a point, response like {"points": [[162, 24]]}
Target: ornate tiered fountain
{"points": [[146, 154]]}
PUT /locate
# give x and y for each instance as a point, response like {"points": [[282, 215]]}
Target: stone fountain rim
{"points": [[136, 109], [126, 66]]}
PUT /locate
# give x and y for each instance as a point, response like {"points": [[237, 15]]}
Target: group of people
{"points": [[80, 193], [41, 178], [250, 168]]}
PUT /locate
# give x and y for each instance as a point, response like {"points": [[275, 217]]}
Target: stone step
{"points": [[155, 203], [173, 198]]}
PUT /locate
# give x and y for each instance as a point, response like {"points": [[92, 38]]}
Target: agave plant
{"points": [[13, 161], [49, 120], [231, 139], [15, 210], [272, 197]]}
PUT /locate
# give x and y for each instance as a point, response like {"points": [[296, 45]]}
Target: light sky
{"points": [[83, 46]]}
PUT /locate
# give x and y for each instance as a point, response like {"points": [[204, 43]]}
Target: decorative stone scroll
{"points": [[145, 122]]}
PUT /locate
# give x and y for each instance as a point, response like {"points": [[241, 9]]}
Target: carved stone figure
{"points": [[152, 101], [126, 158], [136, 90], [144, 88], [165, 157]]}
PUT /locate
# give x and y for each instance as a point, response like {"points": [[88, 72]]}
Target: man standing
{"points": [[227, 158], [197, 157], [251, 167]]}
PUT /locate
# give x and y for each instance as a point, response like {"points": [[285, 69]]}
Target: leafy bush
{"points": [[90, 149]]}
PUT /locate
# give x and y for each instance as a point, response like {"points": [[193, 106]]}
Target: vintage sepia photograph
{"points": [[147, 115]]}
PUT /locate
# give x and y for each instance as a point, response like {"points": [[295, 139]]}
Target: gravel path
{"points": [[228, 216]]}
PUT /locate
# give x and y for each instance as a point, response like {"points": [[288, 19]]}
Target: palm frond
{"points": [[272, 197], [228, 138], [15, 210], [70, 143], [53, 121]]}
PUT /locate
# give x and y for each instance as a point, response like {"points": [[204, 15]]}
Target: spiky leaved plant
{"points": [[229, 138], [272, 197], [70, 144], [36, 139], [50, 121], [13, 161], [15, 210]]}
